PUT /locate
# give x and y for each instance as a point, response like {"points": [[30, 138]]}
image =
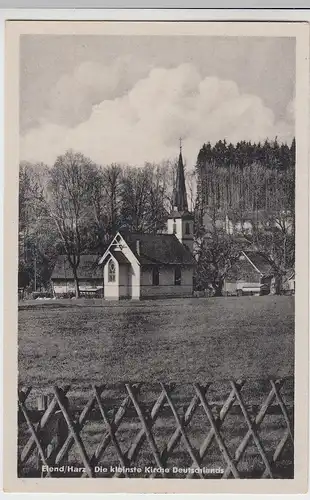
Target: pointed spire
{"points": [[179, 194]]}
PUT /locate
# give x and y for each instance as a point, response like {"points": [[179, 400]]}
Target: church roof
{"points": [[118, 255], [152, 249]]}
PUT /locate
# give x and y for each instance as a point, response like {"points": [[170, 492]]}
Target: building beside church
{"points": [[139, 266], [90, 277], [252, 274]]}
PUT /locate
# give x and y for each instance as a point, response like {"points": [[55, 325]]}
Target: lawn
{"points": [[183, 340]]}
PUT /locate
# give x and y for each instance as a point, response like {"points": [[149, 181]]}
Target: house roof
{"points": [[88, 268], [158, 249], [250, 267]]}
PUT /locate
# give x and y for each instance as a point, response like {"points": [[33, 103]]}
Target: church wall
{"points": [[111, 290], [166, 285], [134, 273]]}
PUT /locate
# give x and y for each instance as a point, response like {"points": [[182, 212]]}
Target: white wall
{"points": [[111, 290], [134, 272], [185, 239], [233, 286], [127, 282]]}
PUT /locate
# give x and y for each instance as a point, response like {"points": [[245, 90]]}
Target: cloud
{"points": [[145, 122], [70, 101]]}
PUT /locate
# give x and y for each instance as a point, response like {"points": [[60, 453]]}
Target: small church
{"points": [[137, 265]]}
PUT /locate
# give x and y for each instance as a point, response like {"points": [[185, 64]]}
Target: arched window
{"points": [[155, 276], [111, 271], [177, 276], [187, 228]]}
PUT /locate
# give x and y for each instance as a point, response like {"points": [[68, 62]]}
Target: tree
{"points": [[105, 199], [37, 237], [216, 250], [144, 196], [68, 193]]}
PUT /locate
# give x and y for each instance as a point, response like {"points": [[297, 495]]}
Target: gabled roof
{"points": [[250, 267], [158, 249], [259, 262], [88, 268], [118, 255]]}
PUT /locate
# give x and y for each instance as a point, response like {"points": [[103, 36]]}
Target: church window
{"points": [[187, 228], [111, 272], [177, 276], [174, 228], [155, 276]]}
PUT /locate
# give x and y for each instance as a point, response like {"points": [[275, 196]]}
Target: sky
{"points": [[128, 99]]}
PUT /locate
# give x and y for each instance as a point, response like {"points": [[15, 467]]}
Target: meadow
{"points": [[86, 341]]}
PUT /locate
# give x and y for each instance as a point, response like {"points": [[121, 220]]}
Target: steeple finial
{"points": [[179, 194]]}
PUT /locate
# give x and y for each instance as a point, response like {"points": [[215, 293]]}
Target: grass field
{"points": [[82, 342]]}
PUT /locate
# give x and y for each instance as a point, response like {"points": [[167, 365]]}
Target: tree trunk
{"points": [[276, 285], [218, 288], [76, 282]]}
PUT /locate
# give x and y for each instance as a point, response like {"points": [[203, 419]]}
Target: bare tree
{"points": [[105, 199], [37, 236], [144, 195], [216, 253], [68, 204]]}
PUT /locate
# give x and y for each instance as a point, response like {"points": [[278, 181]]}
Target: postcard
{"points": [[156, 257]]}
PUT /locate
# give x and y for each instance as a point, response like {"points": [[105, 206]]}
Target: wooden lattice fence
{"points": [[227, 429]]}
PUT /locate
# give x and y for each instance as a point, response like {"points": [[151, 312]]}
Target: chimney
{"points": [[138, 247]]}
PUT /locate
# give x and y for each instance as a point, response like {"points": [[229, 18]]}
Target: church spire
{"points": [[179, 194]]}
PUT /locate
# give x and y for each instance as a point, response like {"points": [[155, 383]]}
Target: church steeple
{"points": [[179, 193], [180, 220]]}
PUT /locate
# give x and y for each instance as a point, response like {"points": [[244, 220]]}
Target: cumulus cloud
{"points": [[71, 100], [145, 122]]}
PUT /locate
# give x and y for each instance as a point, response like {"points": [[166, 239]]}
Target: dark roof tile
{"points": [[158, 249]]}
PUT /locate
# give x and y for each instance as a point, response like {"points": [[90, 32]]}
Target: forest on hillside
{"points": [[75, 206]]}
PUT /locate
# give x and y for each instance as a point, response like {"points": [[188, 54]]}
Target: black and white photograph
{"points": [[156, 255]]}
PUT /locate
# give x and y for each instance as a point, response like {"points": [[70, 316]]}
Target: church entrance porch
{"points": [[117, 278]]}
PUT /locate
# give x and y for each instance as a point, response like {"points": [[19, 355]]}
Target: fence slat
{"points": [[34, 436], [258, 420], [176, 436], [74, 432], [180, 426], [30, 445], [81, 421], [217, 434], [283, 409], [110, 431], [252, 429], [106, 438], [146, 428], [137, 444], [211, 435]]}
